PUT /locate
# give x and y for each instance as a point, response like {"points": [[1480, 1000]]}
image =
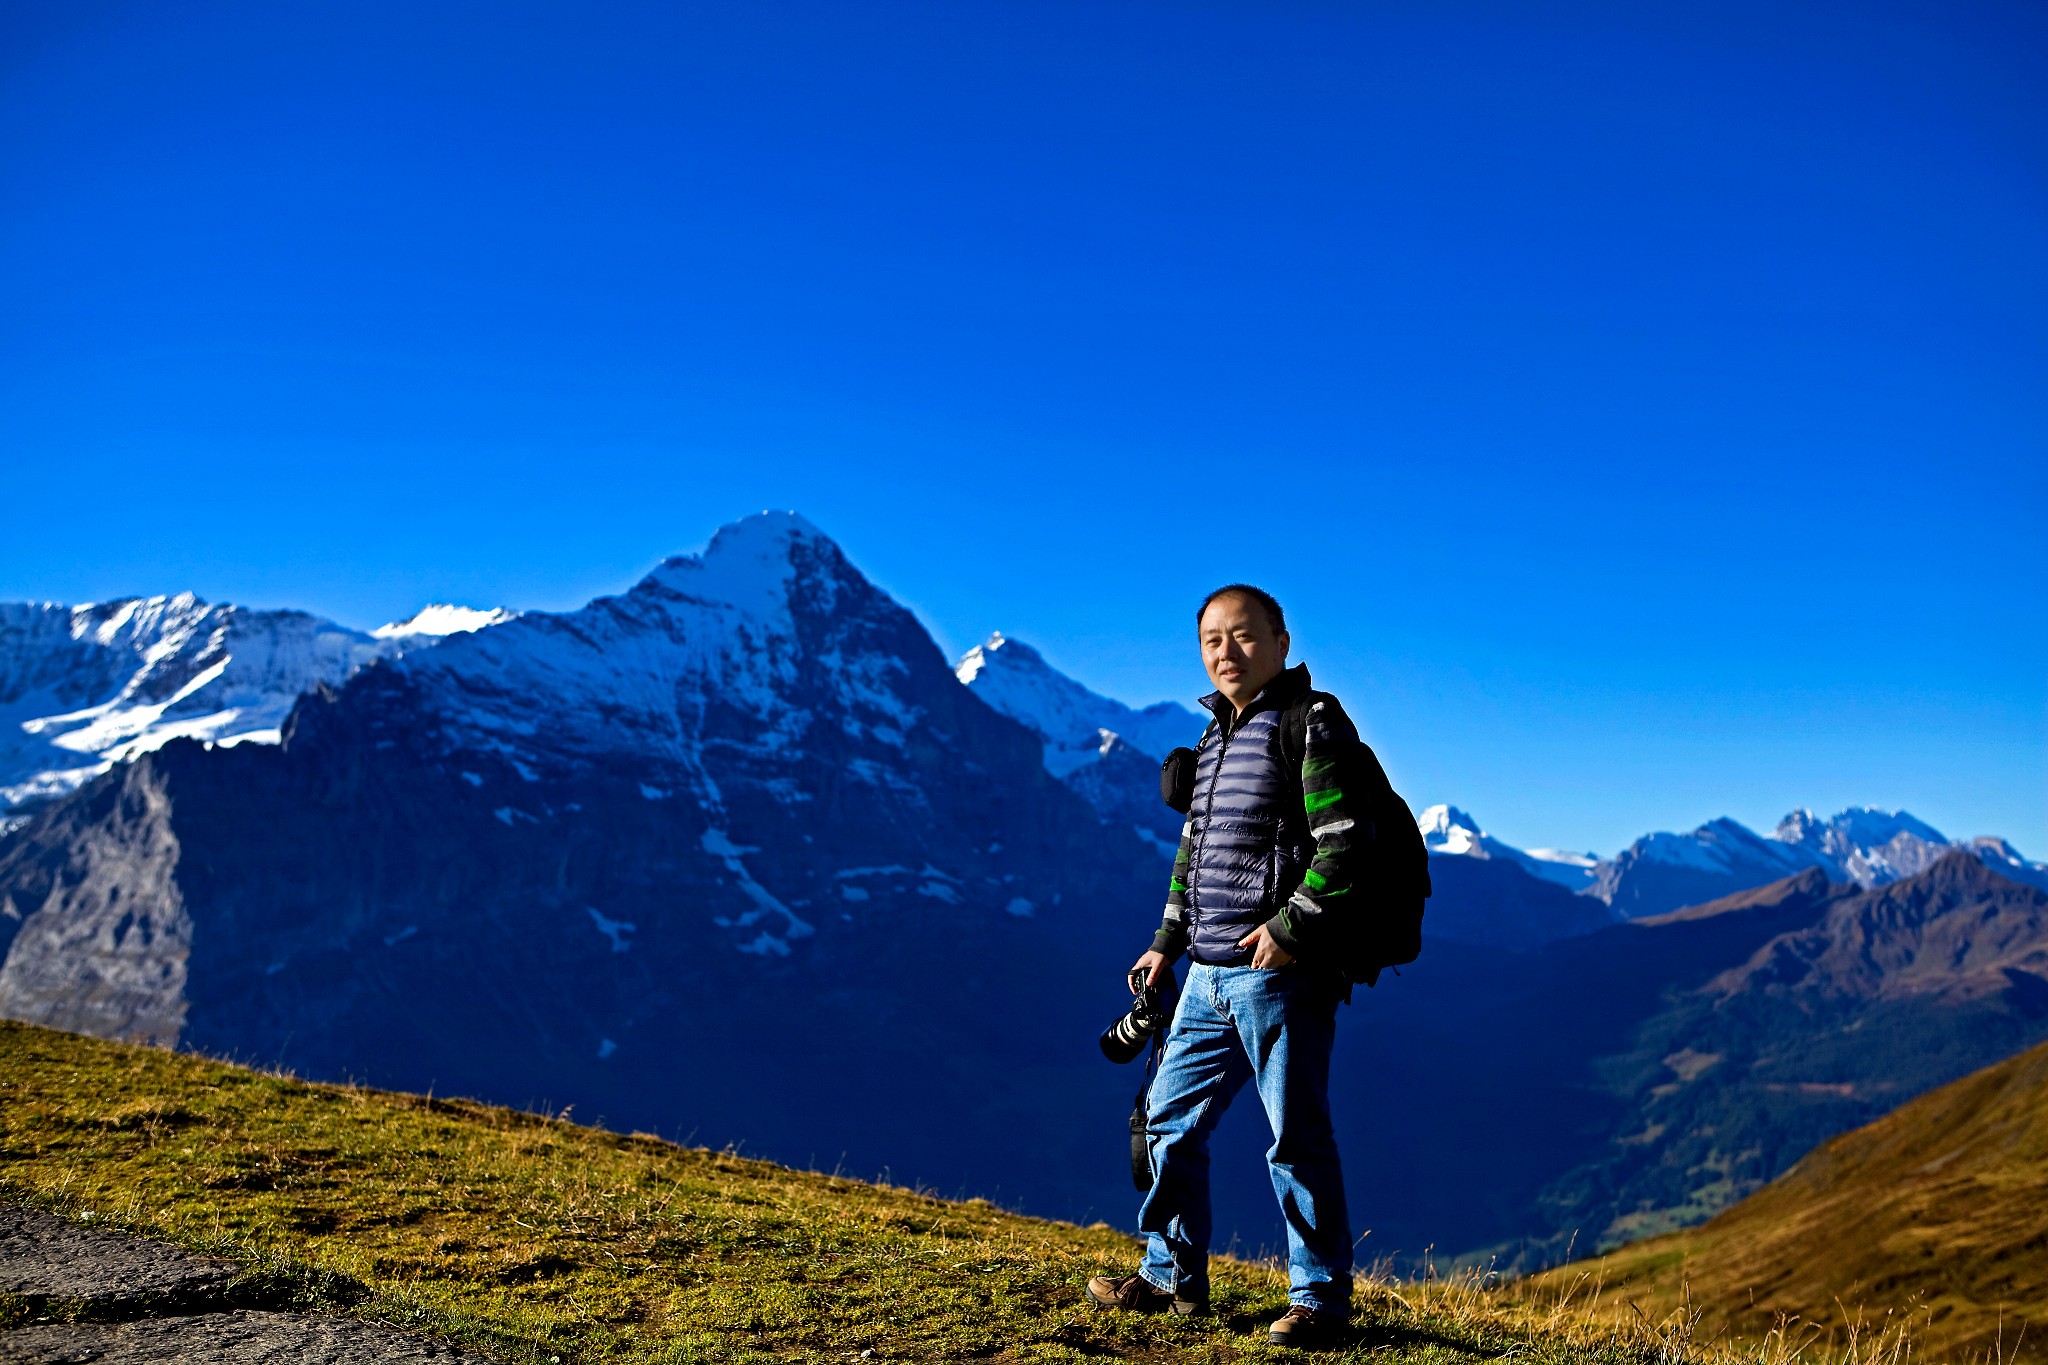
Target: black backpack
{"points": [[1390, 934]]}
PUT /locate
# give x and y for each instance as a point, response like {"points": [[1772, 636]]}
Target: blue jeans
{"points": [[1275, 1028]]}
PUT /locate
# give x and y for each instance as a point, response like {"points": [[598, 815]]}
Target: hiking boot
{"points": [[1308, 1329], [1134, 1293]]}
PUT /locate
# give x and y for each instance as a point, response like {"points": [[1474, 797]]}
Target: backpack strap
{"points": [[1294, 736]]}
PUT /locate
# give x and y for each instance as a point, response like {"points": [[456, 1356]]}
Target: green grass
{"points": [[534, 1239]]}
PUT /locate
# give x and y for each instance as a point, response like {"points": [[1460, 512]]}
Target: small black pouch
{"points": [[1177, 780]]}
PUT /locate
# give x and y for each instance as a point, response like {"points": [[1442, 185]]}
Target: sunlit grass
{"points": [[534, 1239]]}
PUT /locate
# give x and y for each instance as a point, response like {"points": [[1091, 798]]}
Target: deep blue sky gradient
{"points": [[1641, 408]]}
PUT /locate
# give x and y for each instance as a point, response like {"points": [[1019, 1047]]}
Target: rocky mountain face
{"points": [[83, 688]]}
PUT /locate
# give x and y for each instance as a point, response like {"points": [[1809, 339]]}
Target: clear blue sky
{"points": [[1642, 408]]}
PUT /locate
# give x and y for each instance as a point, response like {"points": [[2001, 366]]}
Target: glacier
{"points": [[85, 687]]}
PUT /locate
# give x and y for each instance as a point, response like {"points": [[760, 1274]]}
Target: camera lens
{"points": [[1125, 1039], [1152, 1011]]}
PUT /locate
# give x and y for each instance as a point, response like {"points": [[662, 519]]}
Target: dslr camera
{"points": [[1150, 1012]]}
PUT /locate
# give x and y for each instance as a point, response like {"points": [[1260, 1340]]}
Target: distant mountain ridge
{"points": [[1860, 846], [84, 687], [1072, 720], [1450, 832], [87, 686]]}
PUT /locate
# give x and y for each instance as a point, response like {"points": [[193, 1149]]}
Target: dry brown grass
{"points": [[1930, 1224]]}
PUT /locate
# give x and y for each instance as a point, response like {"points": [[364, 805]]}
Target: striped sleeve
{"points": [[1172, 938], [1340, 819]]}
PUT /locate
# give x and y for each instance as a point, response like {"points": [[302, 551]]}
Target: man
{"points": [[1257, 900]]}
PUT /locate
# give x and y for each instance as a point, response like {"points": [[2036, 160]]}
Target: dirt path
{"points": [[108, 1297]]}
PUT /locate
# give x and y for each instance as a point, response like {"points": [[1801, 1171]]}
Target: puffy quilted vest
{"points": [[1250, 838]]}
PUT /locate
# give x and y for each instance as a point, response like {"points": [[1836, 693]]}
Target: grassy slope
{"points": [[535, 1239], [1937, 1212]]}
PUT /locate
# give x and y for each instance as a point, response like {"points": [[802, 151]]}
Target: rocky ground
{"points": [[84, 1294]]}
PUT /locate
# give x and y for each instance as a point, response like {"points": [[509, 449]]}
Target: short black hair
{"points": [[1258, 595]]}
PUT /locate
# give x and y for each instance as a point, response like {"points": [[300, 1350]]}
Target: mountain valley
{"points": [[1934, 1216]]}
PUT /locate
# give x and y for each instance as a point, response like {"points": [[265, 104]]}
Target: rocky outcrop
{"points": [[101, 938]]}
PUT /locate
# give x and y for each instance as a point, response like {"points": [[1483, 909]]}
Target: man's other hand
{"points": [[1266, 954], [1153, 964]]}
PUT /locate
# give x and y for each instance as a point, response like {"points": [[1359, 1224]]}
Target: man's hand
{"points": [[1266, 954], [1153, 964]]}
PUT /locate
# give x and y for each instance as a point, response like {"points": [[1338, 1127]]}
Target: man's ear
{"points": [[1285, 641]]}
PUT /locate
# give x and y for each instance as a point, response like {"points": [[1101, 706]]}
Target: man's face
{"points": [[1239, 648]]}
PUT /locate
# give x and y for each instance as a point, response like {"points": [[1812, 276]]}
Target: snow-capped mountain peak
{"points": [[976, 659], [1016, 680], [1448, 830], [748, 644], [1101, 748], [442, 619], [1856, 827], [749, 565], [1865, 845], [1451, 833]]}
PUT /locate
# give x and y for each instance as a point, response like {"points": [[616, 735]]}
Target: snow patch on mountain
{"points": [[1564, 863], [617, 930], [719, 845], [443, 618]]}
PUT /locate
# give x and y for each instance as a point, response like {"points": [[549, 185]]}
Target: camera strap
{"points": [[1141, 1147]]}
